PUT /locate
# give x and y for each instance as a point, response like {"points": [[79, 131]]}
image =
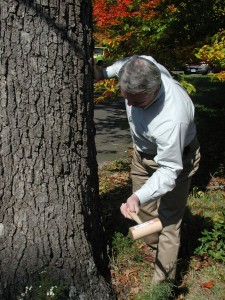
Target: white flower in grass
{"points": [[51, 291]]}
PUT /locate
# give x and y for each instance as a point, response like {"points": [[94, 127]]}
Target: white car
{"points": [[198, 68]]}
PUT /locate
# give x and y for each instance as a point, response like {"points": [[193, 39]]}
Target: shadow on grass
{"points": [[113, 220]]}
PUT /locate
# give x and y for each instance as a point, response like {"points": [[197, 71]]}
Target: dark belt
{"points": [[146, 155], [151, 156], [186, 149]]}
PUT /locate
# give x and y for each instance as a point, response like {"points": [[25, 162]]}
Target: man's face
{"points": [[138, 100]]}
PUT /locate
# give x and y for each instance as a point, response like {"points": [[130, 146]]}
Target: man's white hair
{"points": [[139, 75]]}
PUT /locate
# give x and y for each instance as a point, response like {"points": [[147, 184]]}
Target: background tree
{"points": [[49, 214], [169, 30], [214, 53]]}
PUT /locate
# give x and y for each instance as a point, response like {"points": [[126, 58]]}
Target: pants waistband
{"points": [[193, 145]]}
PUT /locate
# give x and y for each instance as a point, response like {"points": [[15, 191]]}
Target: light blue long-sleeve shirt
{"points": [[162, 129]]}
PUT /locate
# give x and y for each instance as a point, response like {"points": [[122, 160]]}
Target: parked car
{"points": [[198, 68], [101, 56]]}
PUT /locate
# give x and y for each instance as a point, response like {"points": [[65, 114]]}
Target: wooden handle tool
{"points": [[144, 229], [135, 217]]}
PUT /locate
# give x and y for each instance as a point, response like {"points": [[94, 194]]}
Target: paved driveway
{"points": [[112, 131]]}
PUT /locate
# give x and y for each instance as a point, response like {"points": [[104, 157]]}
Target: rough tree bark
{"points": [[49, 215]]}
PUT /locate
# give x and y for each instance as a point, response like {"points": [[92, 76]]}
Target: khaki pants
{"points": [[169, 208]]}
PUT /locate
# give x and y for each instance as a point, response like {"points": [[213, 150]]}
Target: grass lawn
{"points": [[201, 268]]}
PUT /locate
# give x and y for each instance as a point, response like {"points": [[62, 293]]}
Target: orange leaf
{"points": [[122, 279], [208, 284], [130, 272]]}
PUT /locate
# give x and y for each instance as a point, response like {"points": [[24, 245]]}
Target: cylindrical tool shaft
{"points": [[146, 228]]}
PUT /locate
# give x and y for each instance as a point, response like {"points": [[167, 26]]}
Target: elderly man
{"points": [[166, 152]]}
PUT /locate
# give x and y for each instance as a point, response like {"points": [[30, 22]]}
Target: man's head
{"points": [[139, 81]]}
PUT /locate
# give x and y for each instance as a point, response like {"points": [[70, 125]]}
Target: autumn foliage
{"points": [[168, 30], [119, 23], [111, 13], [214, 52]]}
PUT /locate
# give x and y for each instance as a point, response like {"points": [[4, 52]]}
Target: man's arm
{"points": [[111, 71]]}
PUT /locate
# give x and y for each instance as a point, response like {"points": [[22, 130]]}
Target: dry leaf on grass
{"points": [[130, 272], [208, 284]]}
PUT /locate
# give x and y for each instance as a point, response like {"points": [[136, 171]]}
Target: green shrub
{"points": [[213, 241]]}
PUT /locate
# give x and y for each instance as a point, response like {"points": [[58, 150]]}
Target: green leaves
{"points": [[213, 241], [188, 86], [214, 52]]}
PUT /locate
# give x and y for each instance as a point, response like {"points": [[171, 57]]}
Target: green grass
{"points": [[156, 292], [212, 274]]}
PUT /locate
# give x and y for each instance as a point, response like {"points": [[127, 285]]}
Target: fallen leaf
{"points": [[200, 264], [208, 284], [122, 279], [130, 272]]}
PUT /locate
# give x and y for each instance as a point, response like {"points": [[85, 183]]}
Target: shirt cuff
{"points": [[109, 72], [143, 195]]}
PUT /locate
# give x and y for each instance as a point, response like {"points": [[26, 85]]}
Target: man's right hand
{"points": [[132, 204], [98, 75]]}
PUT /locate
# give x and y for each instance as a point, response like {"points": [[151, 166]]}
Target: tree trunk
{"points": [[49, 213]]}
